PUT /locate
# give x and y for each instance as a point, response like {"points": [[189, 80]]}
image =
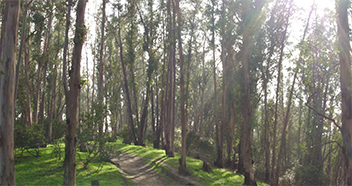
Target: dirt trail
{"points": [[140, 172]]}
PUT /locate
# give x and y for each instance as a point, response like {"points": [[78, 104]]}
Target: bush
{"points": [[29, 137], [309, 175], [125, 134], [196, 145], [58, 128]]}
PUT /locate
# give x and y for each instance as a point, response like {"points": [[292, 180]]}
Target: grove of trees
{"points": [[261, 87]]}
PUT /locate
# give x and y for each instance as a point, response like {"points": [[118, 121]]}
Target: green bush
{"points": [[58, 128], [125, 134], [196, 145], [309, 175], [29, 137]]}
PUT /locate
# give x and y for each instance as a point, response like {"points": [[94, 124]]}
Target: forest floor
{"points": [[140, 171]]}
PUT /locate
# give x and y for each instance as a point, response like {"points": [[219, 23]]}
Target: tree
{"points": [[183, 168], [346, 84], [101, 75], [8, 51], [72, 97]]}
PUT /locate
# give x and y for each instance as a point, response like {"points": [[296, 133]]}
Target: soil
{"points": [[138, 170]]}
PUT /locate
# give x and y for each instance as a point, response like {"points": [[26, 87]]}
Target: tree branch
{"points": [[324, 116]]}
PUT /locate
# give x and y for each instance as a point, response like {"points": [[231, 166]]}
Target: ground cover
{"points": [[48, 169]]}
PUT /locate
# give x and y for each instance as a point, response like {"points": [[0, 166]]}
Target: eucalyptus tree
{"points": [[72, 97], [250, 21], [346, 84], [100, 95], [10, 22]]}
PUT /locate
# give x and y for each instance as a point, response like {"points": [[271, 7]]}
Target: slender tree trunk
{"points": [[346, 83], [183, 167], [287, 114], [266, 135], [282, 46], [22, 45], [101, 76], [26, 71], [127, 92], [10, 21], [72, 98], [217, 142]]}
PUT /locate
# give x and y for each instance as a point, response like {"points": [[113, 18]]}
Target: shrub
{"points": [[29, 137], [125, 134], [309, 175]]}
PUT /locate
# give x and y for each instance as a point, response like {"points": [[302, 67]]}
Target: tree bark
{"points": [[101, 76], [170, 93], [346, 83], [183, 167], [217, 143], [72, 98], [26, 72], [10, 21]]}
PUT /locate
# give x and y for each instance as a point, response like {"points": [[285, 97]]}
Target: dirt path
{"points": [[140, 172]]}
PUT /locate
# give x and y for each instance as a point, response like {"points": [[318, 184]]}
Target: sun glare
{"points": [[320, 4]]}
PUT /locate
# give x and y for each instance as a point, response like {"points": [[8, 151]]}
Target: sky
{"points": [[296, 26]]}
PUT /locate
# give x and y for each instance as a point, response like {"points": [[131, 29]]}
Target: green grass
{"points": [[219, 177], [48, 170]]}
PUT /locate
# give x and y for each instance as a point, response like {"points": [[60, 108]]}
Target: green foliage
{"points": [[125, 134], [83, 81], [92, 142], [195, 145], [58, 128], [309, 175], [29, 137], [81, 32], [57, 148]]}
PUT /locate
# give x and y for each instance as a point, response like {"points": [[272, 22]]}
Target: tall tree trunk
{"points": [[127, 92], [346, 83], [282, 46], [101, 75], [170, 93], [217, 142], [247, 42], [22, 45], [247, 113], [26, 72], [72, 98], [287, 114], [10, 21], [183, 167], [266, 132]]}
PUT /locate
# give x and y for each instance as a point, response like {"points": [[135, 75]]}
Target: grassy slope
{"points": [[219, 177], [47, 170]]}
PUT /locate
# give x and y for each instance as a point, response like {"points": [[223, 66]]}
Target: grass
{"points": [[48, 170], [219, 177]]}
